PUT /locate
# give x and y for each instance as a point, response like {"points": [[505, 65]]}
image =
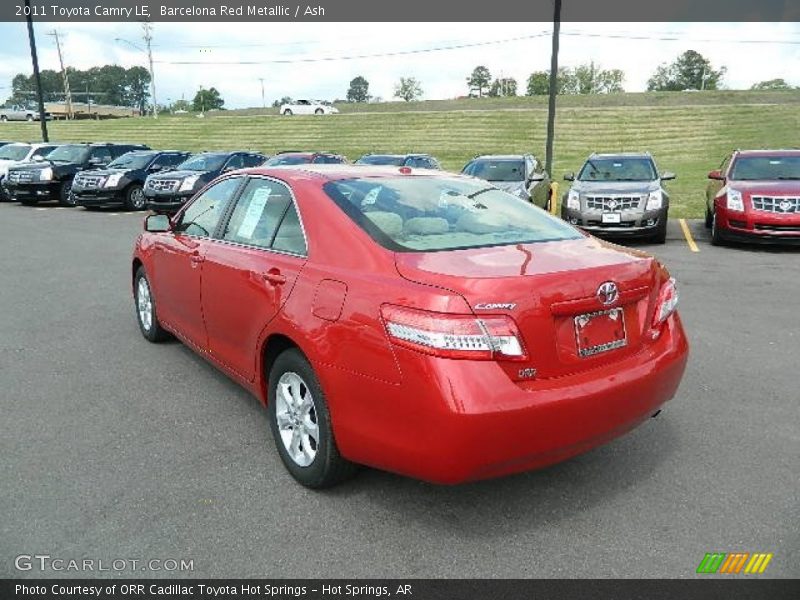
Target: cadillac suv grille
{"points": [[89, 181], [776, 204], [20, 176], [613, 203], [163, 185]]}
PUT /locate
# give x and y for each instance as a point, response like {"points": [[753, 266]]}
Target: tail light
{"points": [[667, 302], [452, 335]]}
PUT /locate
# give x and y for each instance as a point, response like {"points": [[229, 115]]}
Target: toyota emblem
{"points": [[608, 292]]}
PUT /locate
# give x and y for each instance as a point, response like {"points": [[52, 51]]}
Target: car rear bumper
{"points": [[633, 224], [453, 421], [758, 226]]}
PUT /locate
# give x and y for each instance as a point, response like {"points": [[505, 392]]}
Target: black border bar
{"points": [[402, 10]]}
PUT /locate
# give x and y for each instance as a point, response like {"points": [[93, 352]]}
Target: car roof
{"points": [[390, 154], [501, 156], [766, 152], [333, 172], [620, 155]]}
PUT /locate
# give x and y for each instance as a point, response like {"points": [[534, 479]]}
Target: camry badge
{"points": [[495, 306], [608, 292], [785, 205]]}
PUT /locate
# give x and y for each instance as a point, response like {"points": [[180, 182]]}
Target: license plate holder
{"points": [[611, 218], [600, 331]]}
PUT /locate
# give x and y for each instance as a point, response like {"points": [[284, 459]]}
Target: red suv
{"points": [[418, 322], [755, 196]]}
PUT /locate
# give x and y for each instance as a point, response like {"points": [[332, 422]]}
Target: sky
{"points": [[750, 51]]}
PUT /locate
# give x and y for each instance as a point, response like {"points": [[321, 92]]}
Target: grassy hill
{"points": [[688, 133]]}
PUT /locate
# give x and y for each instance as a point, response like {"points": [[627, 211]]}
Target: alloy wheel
{"points": [[144, 304], [296, 417]]}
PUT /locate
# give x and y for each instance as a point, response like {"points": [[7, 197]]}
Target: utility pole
{"points": [[551, 106], [36, 76], [148, 37], [263, 101], [64, 75]]}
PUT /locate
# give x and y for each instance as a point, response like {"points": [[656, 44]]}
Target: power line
{"points": [[673, 38], [357, 56], [64, 75]]}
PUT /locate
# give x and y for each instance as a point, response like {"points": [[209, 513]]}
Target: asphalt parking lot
{"points": [[116, 448]]}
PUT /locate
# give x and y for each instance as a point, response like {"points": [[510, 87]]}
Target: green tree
{"points": [[479, 80], [690, 71], [772, 84], [207, 99], [359, 90], [506, 86], [137, 88], [591, 79], [539, 82], [408, 88]]}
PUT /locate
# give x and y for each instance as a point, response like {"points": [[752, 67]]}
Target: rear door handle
{"points": [[196, 258], [274, 277]]}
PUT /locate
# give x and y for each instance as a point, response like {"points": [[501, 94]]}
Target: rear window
{"points": [[286, 160], [618, 169], [423, 214], [766, 168], [496, 170], [376, 159]]}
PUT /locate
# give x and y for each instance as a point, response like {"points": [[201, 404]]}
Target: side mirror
{"points": [[536, 177], [716, 175], [569, 177], [156, 168], [157, 223], [667, 176]]}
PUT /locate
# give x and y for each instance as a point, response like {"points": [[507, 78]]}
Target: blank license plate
{"points": [[612, 218], [600, 332]]}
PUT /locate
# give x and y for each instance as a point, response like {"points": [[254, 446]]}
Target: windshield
{"points": [[14, 151], [766, 167], [496, 170], [376, 159], [132, 160], [203, 162], [421, 214], [618, 169], [287, 159], [72, 153]]}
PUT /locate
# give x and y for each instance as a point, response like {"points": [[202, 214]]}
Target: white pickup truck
{"points": [[20, 113]]}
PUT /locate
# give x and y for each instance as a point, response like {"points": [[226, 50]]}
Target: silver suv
{"points": [[618, 195]]}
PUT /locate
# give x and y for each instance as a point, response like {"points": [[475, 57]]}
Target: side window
{"points": [[289, 237], [259, 210], [43, 151], [253, 160], [202, 216], [234, 162], [168, 160], [101, 154]]}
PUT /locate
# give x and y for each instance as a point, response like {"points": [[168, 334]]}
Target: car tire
{"points": [[65, 197], [660, 236], [4, 119], [709, 218], [716, 235], [145, 306], [287, 113], [29, 118], [134, 197], [297, 411], [319, 111]]}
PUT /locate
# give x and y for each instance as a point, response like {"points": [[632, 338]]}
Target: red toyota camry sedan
{"points": [[414, 321]]}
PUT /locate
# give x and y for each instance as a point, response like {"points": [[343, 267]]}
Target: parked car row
{"points": [[755, 195]]}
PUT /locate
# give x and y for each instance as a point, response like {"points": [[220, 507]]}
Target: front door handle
{"points": [[196, 258], [274, 277]]}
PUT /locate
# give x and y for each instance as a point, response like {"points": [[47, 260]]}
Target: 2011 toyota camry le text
{"points": [[414, 321]]}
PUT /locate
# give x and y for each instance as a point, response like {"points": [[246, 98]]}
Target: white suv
{"points": [[308, 107], [13, 154]]}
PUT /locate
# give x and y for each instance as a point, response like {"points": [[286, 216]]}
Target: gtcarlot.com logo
{"points": [[45, 562], [733, 563]]}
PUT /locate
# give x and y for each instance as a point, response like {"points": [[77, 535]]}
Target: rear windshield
{"points": [[203, 162], [14, 151], [132, 160], [284, 160], [618, 169], [423, 214], [496, 170], [766, 167], [375, 159]]}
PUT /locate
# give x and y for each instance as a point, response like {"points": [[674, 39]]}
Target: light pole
{"points": [[149, 54], [551, 106], [263, 101], [36, 76]]}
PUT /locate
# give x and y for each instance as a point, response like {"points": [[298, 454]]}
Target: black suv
{"points": [[122, 181], [417, 161], [52, 177], [288, 158], [167, 192]]}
